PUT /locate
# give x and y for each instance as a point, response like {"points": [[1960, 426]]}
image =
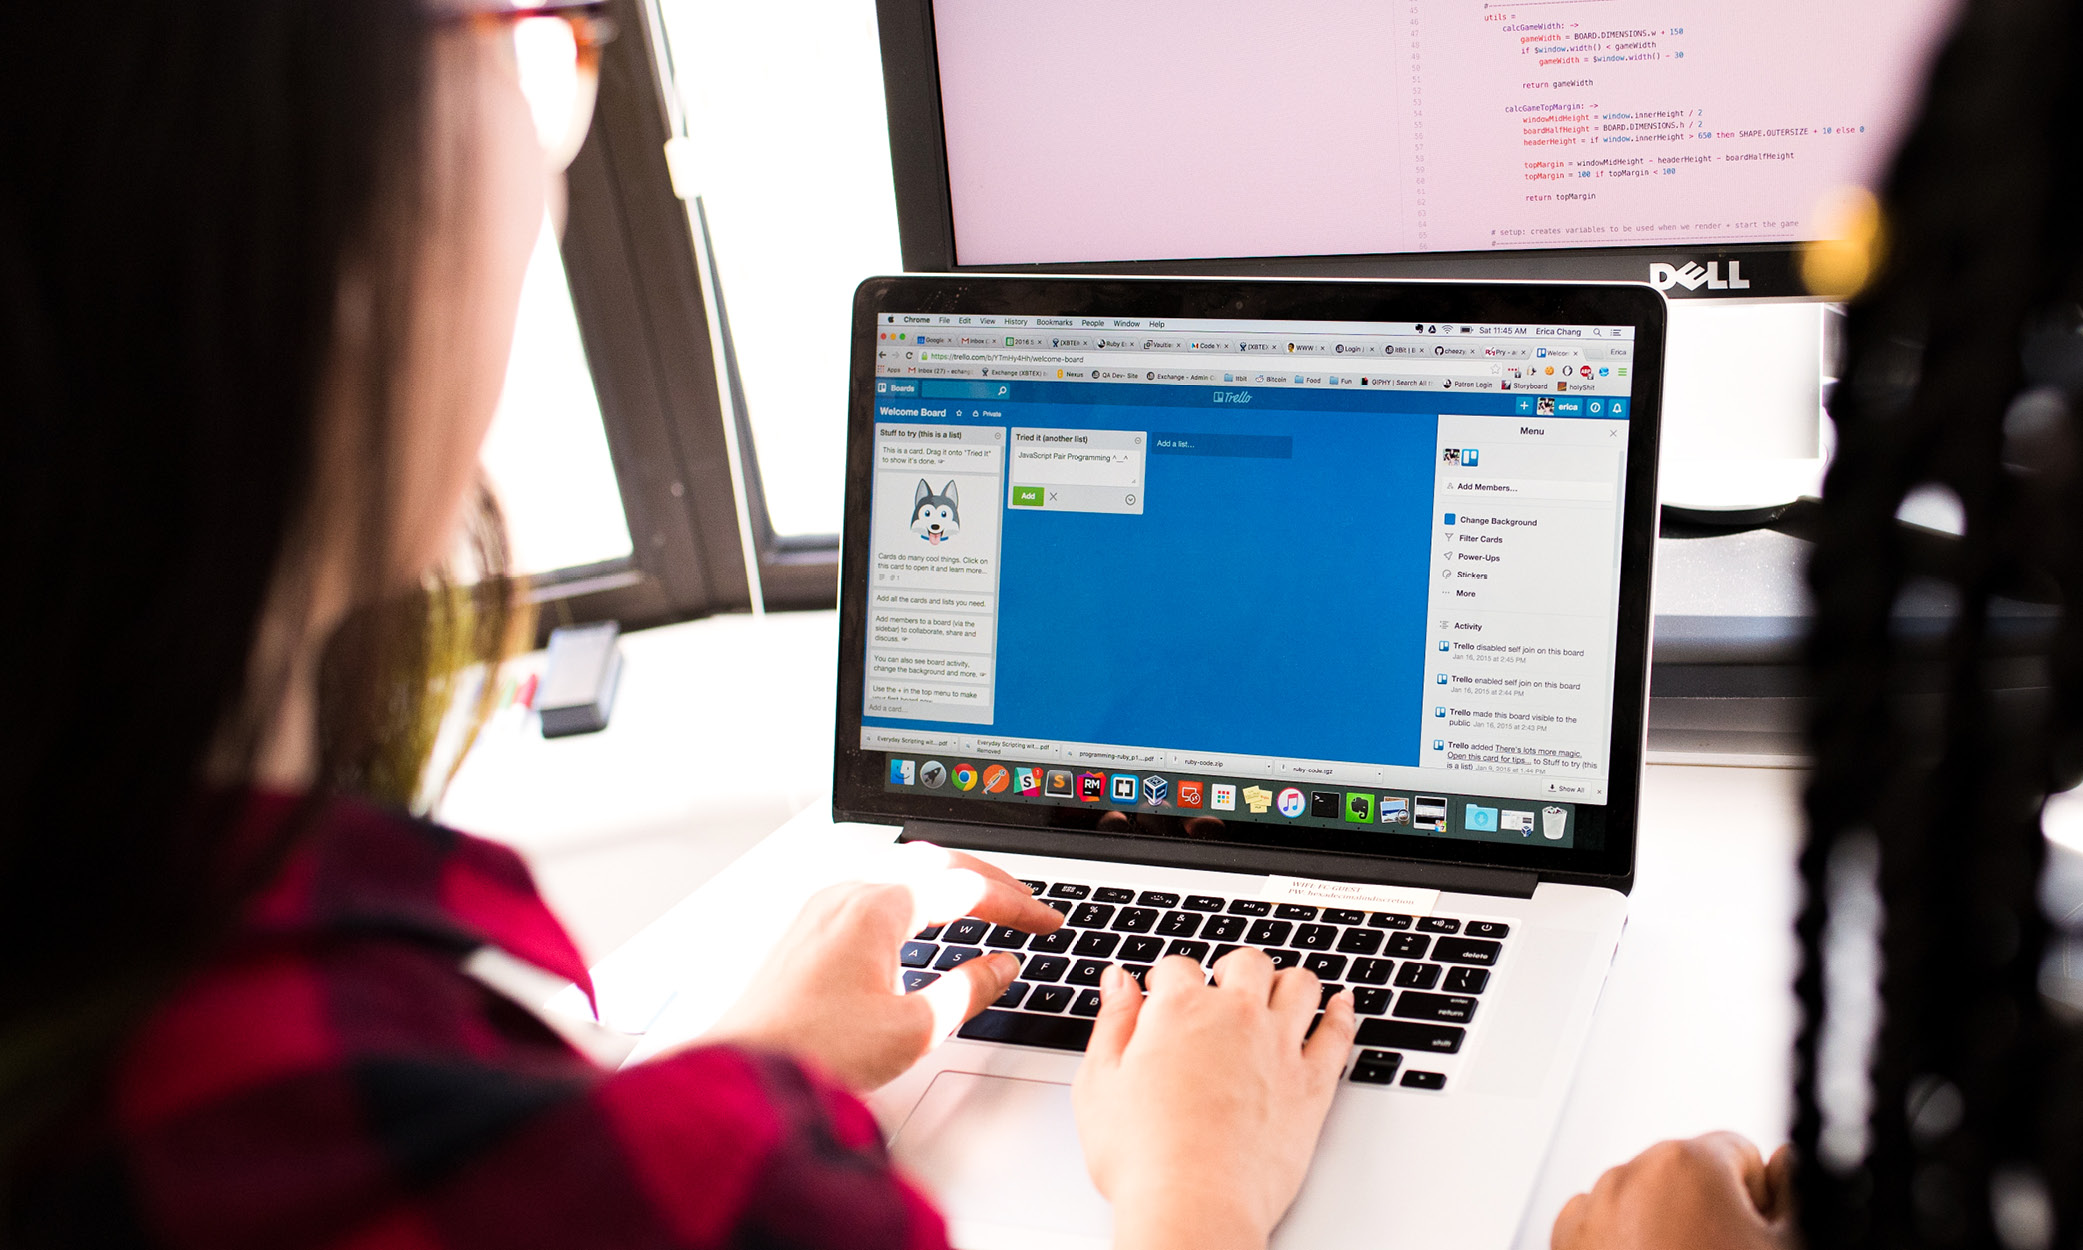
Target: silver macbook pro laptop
{"points": [[1309, 616]]}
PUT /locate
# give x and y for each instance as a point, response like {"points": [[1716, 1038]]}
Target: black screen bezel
{"points": [[858, 791]]}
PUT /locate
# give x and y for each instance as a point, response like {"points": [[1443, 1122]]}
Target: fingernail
{"points": [[1110, 981]]}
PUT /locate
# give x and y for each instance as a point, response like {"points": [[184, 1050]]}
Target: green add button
{"points": [[1027, 496]]}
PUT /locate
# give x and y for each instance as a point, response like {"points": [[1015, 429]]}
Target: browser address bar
{"points": [[1173, 362]]}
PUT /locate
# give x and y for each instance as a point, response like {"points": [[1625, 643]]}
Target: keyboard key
{"points": [[956, 956], [1045, 968], [968, 931], [1051, 998], [1195, 951], [1269, 932], [1407, 945], [1465, 981], [1053, 943], [1034, 887], [1202, 902], [1225, 928], [1284, 959], [1249, 907], [1417, 976], [1063, 889], [1006, 938], [1140, 950], [1446, 1008], [1135, 920], [1157, 898], [1087, 971], [1180, 924], [1444, 1039], [1294, 911], [1361, 941], [1389, 920], [1013, 994], [917, 954], [1376, 1067], [1062, 906], [1369, 1001], [1487, 929], [1091, 916], [1439, 924], [1329, 967], [1315, 937], [1141, 972], [1466, 951], [1054, 1032], [1372, 971], [918, 979], [1087, 1004], [1342, 915], [1216, 956], [929, 934], [1096, 945], [1113, 894], [1324, 994], [1425, 1080]]}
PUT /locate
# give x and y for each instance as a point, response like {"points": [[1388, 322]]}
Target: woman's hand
{"points": [[1710, 1193], [1200, 1105], [829, 992]]}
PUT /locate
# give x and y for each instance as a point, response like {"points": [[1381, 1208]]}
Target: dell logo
{"points": [[1692, 277]]}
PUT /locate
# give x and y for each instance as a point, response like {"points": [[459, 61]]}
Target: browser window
{"points": [[1295, 572]]}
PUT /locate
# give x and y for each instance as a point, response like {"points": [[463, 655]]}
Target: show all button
{"points": [[1027, 497]]}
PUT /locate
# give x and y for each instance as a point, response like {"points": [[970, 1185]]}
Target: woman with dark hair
{"points": [[1944, 1105], [259, 266]]}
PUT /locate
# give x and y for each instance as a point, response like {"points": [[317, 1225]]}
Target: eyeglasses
{"points": [[556, 54]]}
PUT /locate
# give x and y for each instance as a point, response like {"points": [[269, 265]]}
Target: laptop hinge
{"points": [[1223, 857]]}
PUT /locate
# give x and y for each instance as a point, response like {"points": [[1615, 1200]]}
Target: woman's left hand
{"points": [[829, 992]]}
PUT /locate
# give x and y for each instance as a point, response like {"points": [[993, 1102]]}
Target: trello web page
{"points": [[1297, 573]]}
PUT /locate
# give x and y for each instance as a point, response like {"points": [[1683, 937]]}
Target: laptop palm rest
{"points": [[1000, 1156]]}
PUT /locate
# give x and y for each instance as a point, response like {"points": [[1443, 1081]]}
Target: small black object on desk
{"points": [[578, 687]]}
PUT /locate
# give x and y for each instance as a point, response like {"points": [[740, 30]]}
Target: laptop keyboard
{"points": [[1416, 981]]}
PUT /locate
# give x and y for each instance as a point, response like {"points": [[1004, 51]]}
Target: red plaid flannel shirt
{"points": [[333, 1079]]}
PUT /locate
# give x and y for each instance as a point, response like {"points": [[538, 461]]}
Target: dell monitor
{"points": [[1692, 145]]}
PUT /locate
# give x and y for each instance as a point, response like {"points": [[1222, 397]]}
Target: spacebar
{"points": [[1057, 1032]]}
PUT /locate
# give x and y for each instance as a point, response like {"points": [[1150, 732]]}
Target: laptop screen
{"points": [[1346, 577]]}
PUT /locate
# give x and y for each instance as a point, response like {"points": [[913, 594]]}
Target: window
{"points": [[547, 454], [785, 113]]}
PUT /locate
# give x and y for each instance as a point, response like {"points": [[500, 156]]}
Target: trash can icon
{"points": [[1554, 820]]}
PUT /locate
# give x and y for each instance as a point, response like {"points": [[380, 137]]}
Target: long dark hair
{"points": [[1944, 1109], [209, 242]]}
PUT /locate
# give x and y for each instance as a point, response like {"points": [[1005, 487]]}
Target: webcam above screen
{"points": [[1690, 144]]}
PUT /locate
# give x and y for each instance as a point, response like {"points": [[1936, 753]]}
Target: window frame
{"points": [[653, 323]]}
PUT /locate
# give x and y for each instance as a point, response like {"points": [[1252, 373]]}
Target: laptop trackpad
{"points": [[1000, 1155]]}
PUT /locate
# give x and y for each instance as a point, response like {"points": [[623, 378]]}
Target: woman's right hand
{"points": [[1200, 1105]]}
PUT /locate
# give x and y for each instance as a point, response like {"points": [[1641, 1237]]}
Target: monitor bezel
{"points": [[926, 225], [858, 792]]}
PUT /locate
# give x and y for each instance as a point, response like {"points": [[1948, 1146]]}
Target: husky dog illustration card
{"points": [[936, 516]]}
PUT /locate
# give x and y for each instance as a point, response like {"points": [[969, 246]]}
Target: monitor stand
{"points": [[1743, 424], [1743, 432]]}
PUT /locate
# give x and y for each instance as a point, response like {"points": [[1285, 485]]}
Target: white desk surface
{"points": [[1693, 1034]]}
